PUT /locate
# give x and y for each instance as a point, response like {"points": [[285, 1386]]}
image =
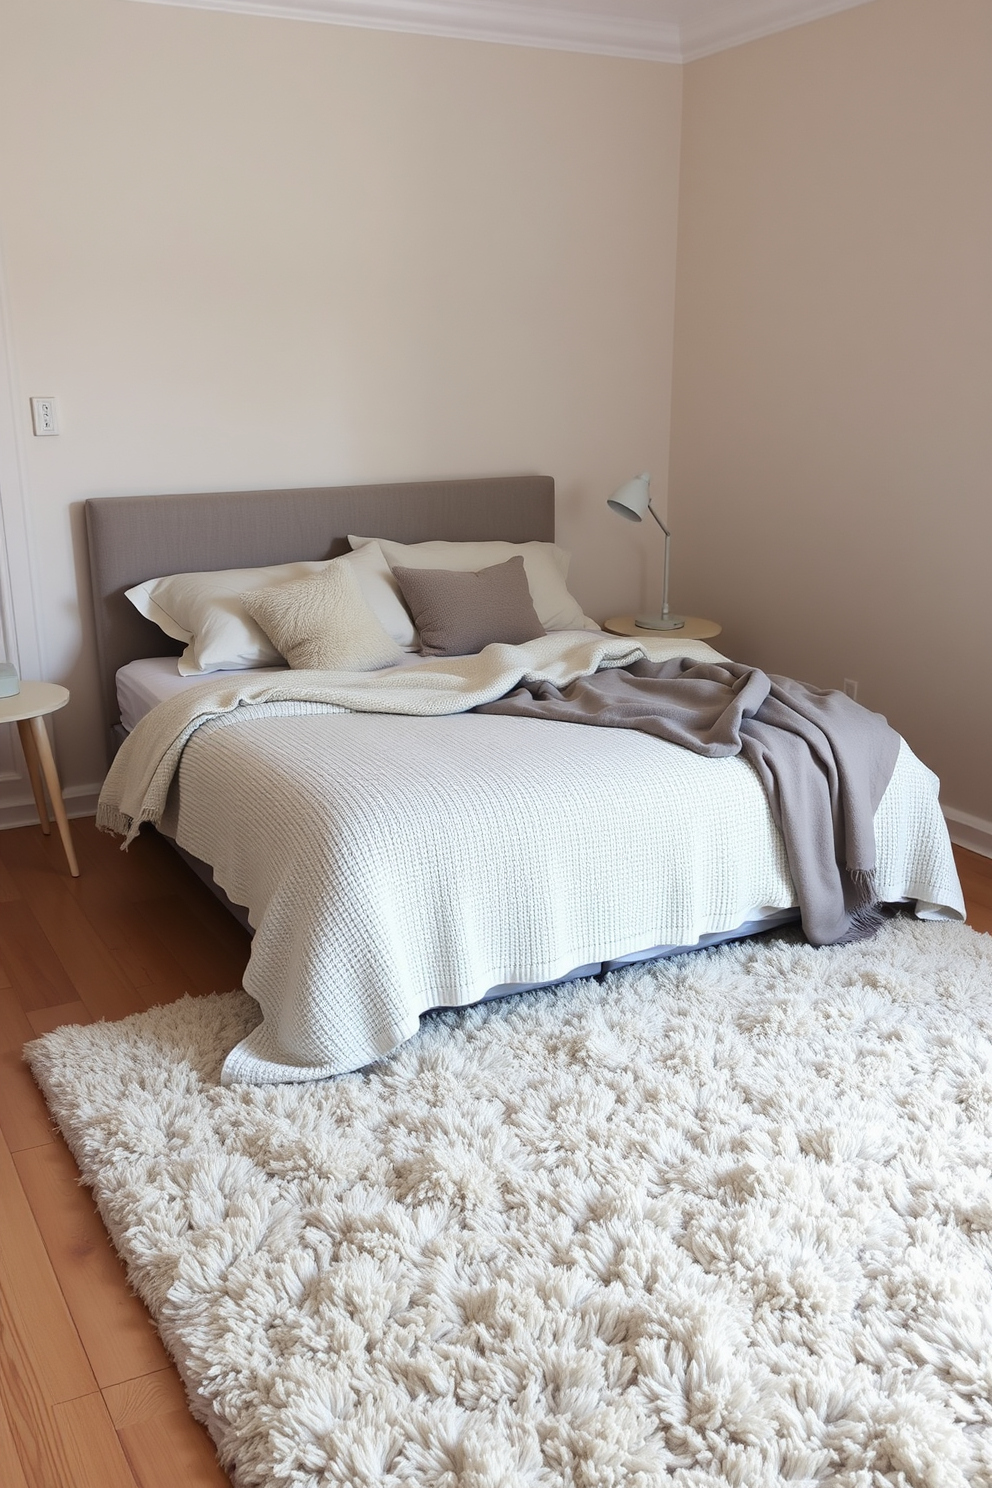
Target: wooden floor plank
{"points": [[8, 889], [224, 930], [167, 1450], [42, 1360], [11, 1471], [68, 1445], [30, 959], [114, 1326], [134, 1400], [167, 869], [96, 978], [212, 962], [24, 1118], [975, 873], [26, 847], [167, 933], [109, 875], [43, 1020], [159, 1434], [130, 930], [94, 1450]]}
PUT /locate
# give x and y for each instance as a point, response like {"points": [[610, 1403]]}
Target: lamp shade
{"points": [[631, 500]]}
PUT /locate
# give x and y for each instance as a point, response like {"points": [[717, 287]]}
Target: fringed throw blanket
{"points": [[823, 759]]}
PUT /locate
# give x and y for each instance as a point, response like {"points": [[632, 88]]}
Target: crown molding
{"points": [[514, 24], [722, 24], [674, 33]]}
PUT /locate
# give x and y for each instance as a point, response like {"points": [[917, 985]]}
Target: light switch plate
{"points": [[44, 417]]}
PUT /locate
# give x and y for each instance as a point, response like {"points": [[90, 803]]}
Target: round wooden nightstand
{"points": [[694, 629], [27, 709]]}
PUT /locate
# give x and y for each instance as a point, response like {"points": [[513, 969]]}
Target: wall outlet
{"points": [[44, 417], [851, 688]]}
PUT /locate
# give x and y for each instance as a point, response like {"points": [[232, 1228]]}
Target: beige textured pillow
{"points": [[459, 613], [324, 623]]}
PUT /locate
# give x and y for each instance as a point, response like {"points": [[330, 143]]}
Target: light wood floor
{"points": [[90, 1399]]}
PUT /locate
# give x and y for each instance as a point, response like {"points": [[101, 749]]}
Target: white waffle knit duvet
{"points": [[397, 853]]}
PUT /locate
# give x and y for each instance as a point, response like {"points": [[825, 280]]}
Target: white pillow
{"points": [[205, 609], [375, 578], [544, 563]]}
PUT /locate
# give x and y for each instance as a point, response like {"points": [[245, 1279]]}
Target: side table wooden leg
{"points": [[34, 772], [40, 736]]}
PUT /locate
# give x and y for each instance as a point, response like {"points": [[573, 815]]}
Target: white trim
{"points": [[20, 622], [512, 24], [727, 23], [713, 26], [19, 617], [969, 831], [20, 811]]}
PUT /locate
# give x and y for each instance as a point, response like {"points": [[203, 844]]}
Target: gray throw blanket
{"points": [[824, 762]]}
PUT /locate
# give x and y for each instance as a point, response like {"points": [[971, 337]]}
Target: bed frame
{"points": [[132, 538]]}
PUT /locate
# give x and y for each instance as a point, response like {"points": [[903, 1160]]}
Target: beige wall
{"points": [[831, 476], [250, 252]]}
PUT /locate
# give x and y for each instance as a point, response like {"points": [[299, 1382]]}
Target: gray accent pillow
{"points": [[324, 622], [458, 614]]}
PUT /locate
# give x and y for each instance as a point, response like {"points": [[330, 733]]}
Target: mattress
{"points": [[153, 679]]}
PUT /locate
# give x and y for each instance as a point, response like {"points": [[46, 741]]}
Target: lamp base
{"points": [[659, 622]]}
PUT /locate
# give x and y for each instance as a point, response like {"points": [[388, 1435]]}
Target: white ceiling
{"points": [[658, 30]]}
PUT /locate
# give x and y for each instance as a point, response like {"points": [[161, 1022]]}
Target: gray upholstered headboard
{"points": [[132, 538]]}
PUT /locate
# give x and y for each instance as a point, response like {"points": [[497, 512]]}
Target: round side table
{"points": [[694, 629], [27, 709]]}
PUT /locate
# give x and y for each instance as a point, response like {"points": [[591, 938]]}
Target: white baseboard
{"points": [[20, 811], [969, 831]]}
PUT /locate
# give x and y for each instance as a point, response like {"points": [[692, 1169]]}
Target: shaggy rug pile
{"points": [[721, 1220]]}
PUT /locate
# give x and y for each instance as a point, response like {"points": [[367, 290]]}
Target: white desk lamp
{"points": [[632, 500]]}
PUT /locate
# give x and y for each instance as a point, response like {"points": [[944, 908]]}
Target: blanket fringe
{"points": [[867, 916], [865, 922], [118, 824]]}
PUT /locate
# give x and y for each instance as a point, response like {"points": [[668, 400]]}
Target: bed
{"points": [[392, 857]]}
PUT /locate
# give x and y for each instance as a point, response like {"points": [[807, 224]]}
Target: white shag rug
{"points": [[721, 1220]]}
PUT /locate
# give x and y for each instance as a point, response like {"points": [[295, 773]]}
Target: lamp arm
{"points": [[658, 520], [668, 538]]}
